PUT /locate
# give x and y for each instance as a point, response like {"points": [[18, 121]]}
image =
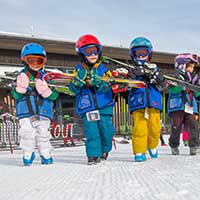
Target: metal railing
{"points": [[66, 134]]}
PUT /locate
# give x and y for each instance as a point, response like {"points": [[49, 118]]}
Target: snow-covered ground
{"points": [[119, 178]]}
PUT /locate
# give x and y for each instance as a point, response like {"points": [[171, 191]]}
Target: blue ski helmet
{"points": [[140, 43], [33, 49]]}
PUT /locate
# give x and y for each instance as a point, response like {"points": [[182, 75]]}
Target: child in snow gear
{"points": [[145, 103], [182, 104], [34, 105], [93, 98]]}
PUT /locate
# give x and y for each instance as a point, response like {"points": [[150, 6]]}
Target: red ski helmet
{"points": [[86, 40], [88, 45]]}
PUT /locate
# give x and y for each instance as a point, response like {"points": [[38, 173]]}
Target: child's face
{"points": [[142, 58], [35, 62], [92, 59], [141, 54], [190, 67], [35, 67]]}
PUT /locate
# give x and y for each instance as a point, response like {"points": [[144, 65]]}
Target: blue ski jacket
{"points": [[89, 98]]}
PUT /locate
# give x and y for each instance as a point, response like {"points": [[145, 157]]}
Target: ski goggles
{"points": [[90, 50], [140, 52], [186, 58], [34, 60]]}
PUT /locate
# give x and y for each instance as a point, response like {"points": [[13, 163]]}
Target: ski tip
{"points": [[105, 59], [137, 85], [141, 85]]}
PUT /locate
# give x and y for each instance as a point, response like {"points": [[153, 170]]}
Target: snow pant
{"points": [[162, 139], [146, 132], [31, 137], [179, 118], [98, 135], [186, 130]]}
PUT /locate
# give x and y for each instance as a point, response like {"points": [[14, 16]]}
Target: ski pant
{"points": [[98, 135], [31, 137], [162, 139], [179, 118], [146, 132]]}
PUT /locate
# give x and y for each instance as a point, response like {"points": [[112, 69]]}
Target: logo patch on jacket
{"points": [[155, 103], [84, 102]]}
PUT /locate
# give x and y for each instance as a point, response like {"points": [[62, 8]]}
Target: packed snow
{"points": [[119, 178]]}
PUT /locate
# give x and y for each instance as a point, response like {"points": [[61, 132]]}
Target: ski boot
{"points": [[153, 153], [193, 151], [28, 158], [140, 157], [104, 156], [175, 151], [93, 160], [198, 149], [186, 143], [46, 159]]}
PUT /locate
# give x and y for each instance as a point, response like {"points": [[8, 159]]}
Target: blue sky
{"points": [[171, 25]]}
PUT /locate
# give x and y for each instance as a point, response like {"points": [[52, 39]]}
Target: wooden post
{"points": [[164, 110]]}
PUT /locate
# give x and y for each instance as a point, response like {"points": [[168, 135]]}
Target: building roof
{"points": [[58, 46]]}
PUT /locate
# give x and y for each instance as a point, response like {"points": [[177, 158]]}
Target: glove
{"points": [[122, 71], [151, 69], [79, 80], [42, 88], [115, 73], [116, 88], [22, 83], [139, 71], [95, 80], [191, 78], [153, 81], [156, 78]]}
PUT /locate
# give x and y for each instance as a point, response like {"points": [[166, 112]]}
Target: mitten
{"points": [[42, 88], [139, 71], [79, 80], [95, 80], [22, 83]]}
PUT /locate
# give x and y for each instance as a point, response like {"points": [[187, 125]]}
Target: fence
{"points": [[70, 133], [9, 127]]}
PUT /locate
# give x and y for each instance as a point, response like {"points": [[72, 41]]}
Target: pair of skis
{"points": [[173, 81], [8, 81], [60, 81], [65, 78], [183, 84]]}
